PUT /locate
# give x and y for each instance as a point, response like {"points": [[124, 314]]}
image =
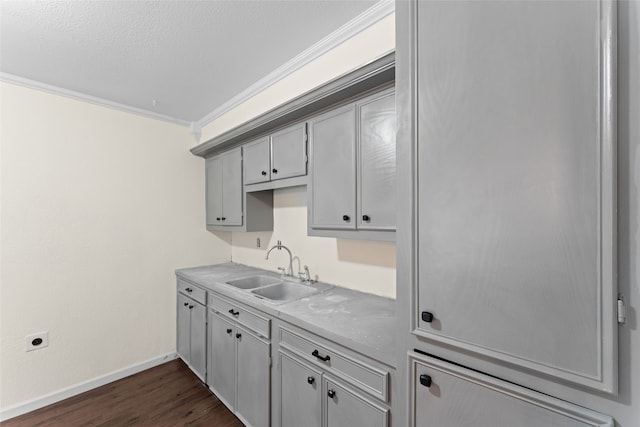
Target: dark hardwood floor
{"points": [[168, 395]]}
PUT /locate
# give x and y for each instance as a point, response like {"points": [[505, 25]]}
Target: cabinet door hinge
{"points": [[622, 315]]}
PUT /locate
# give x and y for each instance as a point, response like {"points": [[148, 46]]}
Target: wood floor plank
{"points": [[168, 395]]}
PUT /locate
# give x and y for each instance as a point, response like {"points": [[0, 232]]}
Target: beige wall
{"points": [[365, 265], [362, 265], [98, 207]]}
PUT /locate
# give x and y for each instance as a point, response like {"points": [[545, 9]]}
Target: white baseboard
{"points": [[65, 393]]}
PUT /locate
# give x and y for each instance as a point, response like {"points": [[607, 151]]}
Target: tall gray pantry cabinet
{"points": [[507, 227]]}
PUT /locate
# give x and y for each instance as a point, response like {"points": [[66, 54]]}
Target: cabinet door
{"points": [[516, 185], [289, 152], [347, 408], [232, 187], [377, 163], [198, 340], [213, 184], [253, 382], [222, 378], [333, 174], [447, 395], [256, 161], [183, 332], [300, 394]]}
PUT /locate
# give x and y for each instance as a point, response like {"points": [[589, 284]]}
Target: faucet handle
{"points": [[282, 270], [305, 275]]}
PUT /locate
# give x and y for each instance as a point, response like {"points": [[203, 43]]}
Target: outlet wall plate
{"points": [[36, 341]]}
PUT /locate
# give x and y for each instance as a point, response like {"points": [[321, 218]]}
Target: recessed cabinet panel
{"points": [[300, 397], [377, 163], [447, 395], [224, 189], [184, 327], [198, 360], [191, 331], [289, 152], [348, 409], [256, 161], [222, 361], [253, 385], [332, 139], [232, 193], [213, 173], [516, 185]]}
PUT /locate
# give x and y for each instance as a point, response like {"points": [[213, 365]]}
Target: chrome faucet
{"points": [[306, 274], [279, 246]]}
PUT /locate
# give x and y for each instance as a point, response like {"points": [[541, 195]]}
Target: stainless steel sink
{"points": [[284, 291], [253, 282]]}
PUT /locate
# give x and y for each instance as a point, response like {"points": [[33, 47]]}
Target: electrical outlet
{"points": [[37, 341]]}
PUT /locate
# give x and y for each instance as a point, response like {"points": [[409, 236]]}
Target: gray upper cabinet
{"points": [[353, 170], [377, 163], [333, 173], [277, 156], [289, 152], [224, 188], [514, 238], [256, 161]]}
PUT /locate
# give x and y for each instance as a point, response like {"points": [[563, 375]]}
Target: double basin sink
{"points": [[275, 289]]}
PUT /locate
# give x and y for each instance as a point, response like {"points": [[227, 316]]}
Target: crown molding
{"points": [[370, 77], [33, 84], [369, 17]]}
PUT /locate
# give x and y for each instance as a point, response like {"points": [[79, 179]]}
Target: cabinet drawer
{"points": [[192, 291], [367, 378], [444, 394], [245, 317]]}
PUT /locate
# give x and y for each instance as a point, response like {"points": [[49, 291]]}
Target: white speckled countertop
{"points": [[361, 321]]}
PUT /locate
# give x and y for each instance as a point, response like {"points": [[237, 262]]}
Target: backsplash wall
{"points": [[366, 266]]}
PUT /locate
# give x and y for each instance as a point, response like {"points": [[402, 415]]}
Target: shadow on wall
{"points": [[249, 240], [381, 254], [223, 235]]}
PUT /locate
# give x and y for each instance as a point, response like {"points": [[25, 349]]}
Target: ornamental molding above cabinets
{"points": [[370, 76]]}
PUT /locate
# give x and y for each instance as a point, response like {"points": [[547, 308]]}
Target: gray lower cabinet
{"points": [[224, 191], [353, 170], [278, 156], [191, 333], [222, 359], [321, 385], [239, 368], [300, 393], [308, 396], [514, 177], [447, 395], [346, 408]]}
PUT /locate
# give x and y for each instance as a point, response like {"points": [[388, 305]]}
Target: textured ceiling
{"points": [[188, 56]]}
